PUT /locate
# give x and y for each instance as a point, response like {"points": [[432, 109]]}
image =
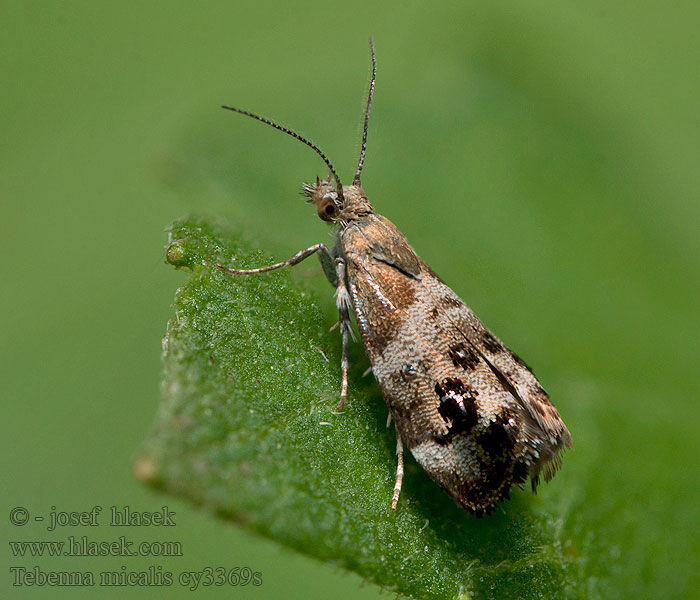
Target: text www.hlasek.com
{"points": [[82, 546], [120, 575], [155, 575]]}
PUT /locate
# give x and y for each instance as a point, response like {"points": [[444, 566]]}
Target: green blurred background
{"points": [[542, 157]]}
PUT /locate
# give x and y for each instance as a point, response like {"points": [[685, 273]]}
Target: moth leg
{"points": [[399, 470], [342, 300], [334, 269], [324, 255]]}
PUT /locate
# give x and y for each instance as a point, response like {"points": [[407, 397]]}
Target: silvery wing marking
{"points": [[471, 412]]}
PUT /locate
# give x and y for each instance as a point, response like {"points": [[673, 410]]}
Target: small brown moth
{"points": [[471, 411]]}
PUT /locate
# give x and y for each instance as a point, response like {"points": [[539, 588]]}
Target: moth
{"points": [[471, 411]]}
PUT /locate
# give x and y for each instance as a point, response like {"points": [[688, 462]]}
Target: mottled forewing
{"points": [[462, 418], [541, 420]]}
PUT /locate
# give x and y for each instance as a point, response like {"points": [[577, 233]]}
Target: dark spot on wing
{"points": [[457, 405], [451, 302], [491, 343], [408, 372], [452, 384], [496, 440], [464, 357]]}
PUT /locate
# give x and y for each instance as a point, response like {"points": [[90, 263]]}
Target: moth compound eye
{"points": [[327, 210]]}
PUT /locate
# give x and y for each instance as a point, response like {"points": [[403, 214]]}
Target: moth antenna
{"points": [[356, 179], [301, 138]]}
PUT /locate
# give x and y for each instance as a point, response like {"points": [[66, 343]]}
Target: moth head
{"points": [[325, 196], [352, 205]]}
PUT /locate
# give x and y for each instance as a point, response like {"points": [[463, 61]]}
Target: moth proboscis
{"points": [[470, 410]]}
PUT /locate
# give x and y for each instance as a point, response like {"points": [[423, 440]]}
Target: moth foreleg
{"points": [[324, 254], [399, 470], [342, 300]]}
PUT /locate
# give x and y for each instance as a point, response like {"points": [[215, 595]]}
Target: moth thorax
{"points": [[355, 203]]}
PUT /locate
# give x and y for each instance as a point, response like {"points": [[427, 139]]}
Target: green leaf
{"points": [[246, 428]]}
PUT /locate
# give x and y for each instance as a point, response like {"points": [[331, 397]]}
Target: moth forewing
{"points": [[470, 410], [457, 409]]}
